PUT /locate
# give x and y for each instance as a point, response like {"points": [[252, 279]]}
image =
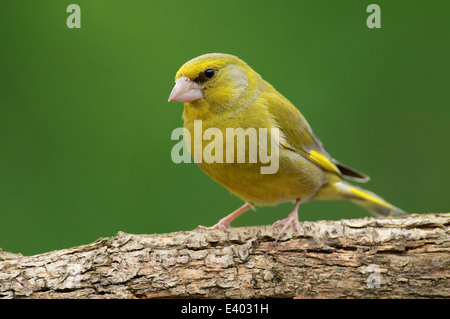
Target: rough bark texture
{"points": [[405, 257]]}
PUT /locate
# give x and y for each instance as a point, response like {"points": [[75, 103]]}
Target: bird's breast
{"points": [[249, 162]]}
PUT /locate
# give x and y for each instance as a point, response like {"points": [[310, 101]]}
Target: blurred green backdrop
{"points": [[85, 125]]}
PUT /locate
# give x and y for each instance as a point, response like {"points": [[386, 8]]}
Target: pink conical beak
{"points": [[186, 90]]}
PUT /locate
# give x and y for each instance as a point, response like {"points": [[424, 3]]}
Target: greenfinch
{"points": [[223, 92]]}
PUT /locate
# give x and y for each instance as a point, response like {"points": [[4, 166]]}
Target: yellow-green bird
{"points": [[223, 92]]}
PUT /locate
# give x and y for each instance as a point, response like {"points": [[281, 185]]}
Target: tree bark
{"points": [[404, 257]]}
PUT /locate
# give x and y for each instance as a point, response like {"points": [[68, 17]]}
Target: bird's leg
{"points": [[224, 223], [291, 219]]}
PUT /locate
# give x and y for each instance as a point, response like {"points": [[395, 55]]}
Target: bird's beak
{"points": [[186, 90]]}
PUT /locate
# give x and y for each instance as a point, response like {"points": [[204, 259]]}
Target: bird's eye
{"points": [[210, 73], [205, 75]]}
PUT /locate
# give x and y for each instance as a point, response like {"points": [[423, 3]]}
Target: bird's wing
{"points": [[296, 135]]}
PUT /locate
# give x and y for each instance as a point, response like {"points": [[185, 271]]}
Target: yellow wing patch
{"points": [[314, 156], [321, 160]]}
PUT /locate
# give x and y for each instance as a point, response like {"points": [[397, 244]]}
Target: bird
{"points": [[224, 92]]}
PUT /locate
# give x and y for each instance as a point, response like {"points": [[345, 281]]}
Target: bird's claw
{"points": [[285, 223], [219, 225]]}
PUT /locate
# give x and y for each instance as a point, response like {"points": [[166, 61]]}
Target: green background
{"points": [[85, 124]]}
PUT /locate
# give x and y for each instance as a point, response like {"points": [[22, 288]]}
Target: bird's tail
{"points": [[368, 200]]}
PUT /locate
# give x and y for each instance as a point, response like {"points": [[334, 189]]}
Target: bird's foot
{"points": [[224, 223], [291, 219], [220, 225]]}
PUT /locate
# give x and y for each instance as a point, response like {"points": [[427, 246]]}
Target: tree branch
{"points": [[404, 257]]}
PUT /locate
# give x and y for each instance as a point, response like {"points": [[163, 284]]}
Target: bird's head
{"points": [[215, 78]]}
